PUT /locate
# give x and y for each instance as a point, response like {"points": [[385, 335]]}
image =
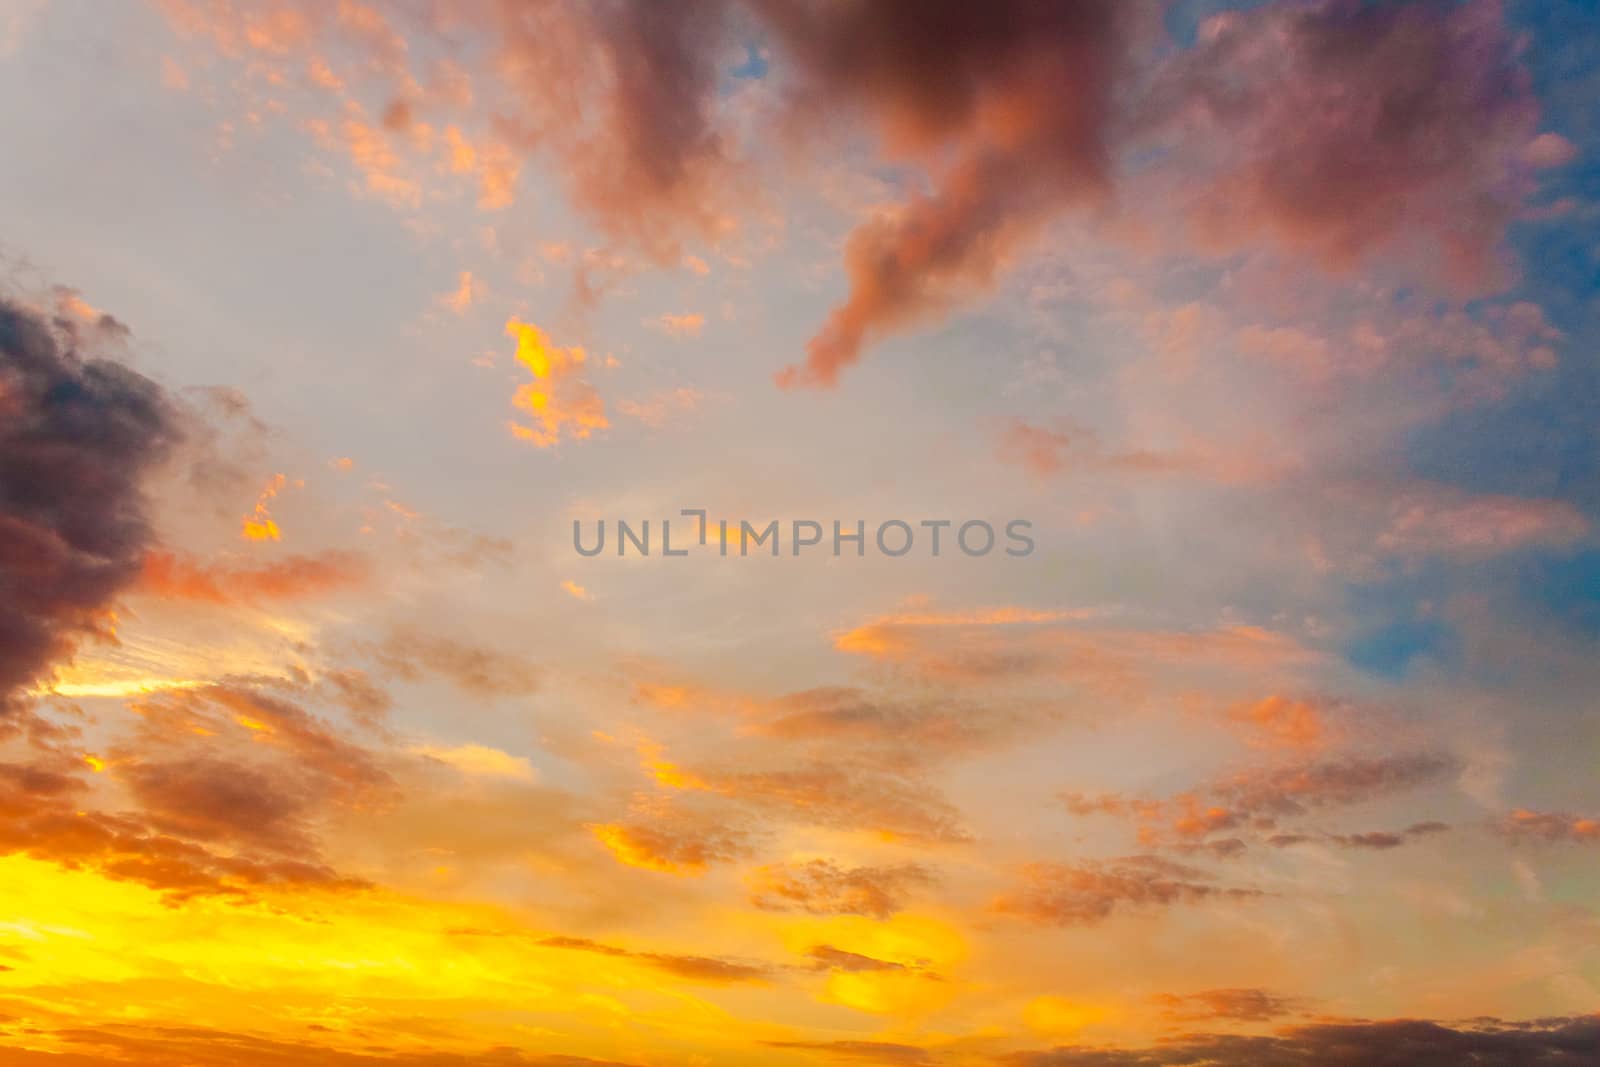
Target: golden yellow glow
{"points": [[478, 974], [261, 530], [907, 960], [1060, 1017], [629, 847], [534, 352], [125, 687], [479, 761], [258, 525], [668, 773], [559, 399]]}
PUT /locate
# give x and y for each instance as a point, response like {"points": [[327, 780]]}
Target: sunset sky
{"points": [[323, 322]]}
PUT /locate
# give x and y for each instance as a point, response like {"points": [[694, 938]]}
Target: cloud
{"points": [[122, 849], [859, 1051], [1260, 798], [1017, 95], [627, 97], [408, 652], [1298, 788], [25, 788], [654, 410], [1087, 893], [999, 119], [686, 325], [78, 437], [468, 291], [559, 402], [216, 800], [1523, 824], [1379, 840], [833, 793], [1282, 722], [834, 758], [1341, 129], [45, 819], [222, 790], [1239, 1005], [822, 887], [158, 1046], [236, 713], [899, 730], [1010, 644], [709, 969], [1438, 520], [73, 312], [172, 576], [1549, 150], [355, 691], [838, 959], [259, 525], [479, 761], [677, 846], [1045, 453], [1412, 1043], [1277, 121]]}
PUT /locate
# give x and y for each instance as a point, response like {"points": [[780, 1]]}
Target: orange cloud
{"points": [[1550, 826], [1018, 645], [229, 787], [1282, 722], [169, 575], [667, 849]]}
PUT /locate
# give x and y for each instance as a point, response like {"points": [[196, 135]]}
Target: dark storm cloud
{"points": [[77, 437]]}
